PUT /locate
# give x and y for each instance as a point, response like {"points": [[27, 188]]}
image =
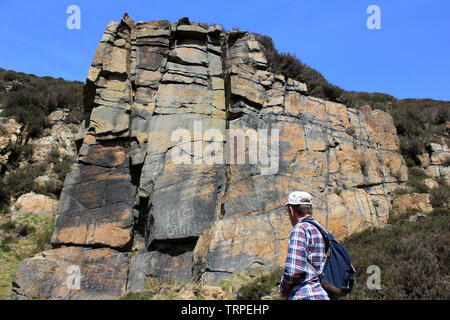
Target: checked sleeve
{"points": [[296, 267]]}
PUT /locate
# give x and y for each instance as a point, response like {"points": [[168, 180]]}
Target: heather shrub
{"points": [[440, 197], [21, 180], [291, 67], [261, 286], [415, 180], [31, 116], [62, 168], [413, 258], [32, 99]]}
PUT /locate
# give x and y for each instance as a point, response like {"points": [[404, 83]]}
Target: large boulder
{"points": [[72, 273], [34, 203]]}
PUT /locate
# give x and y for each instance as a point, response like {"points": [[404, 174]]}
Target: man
{"points": [[306, 246]]}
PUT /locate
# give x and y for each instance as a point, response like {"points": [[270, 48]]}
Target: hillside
{"points": [[354, 153], [39, 118]]}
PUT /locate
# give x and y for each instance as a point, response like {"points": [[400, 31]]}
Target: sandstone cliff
{"points": [[127, 211]]}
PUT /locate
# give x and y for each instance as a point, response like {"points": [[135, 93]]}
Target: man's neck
{"points": [[304, 217]]}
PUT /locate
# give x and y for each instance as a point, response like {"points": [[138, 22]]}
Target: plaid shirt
{"points": [[299, 281]]}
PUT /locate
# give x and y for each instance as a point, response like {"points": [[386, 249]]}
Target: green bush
{"points": [[8, 226], [18, 153], [291, 67], [43, 236], [4, 196], [440, 196], [24, 229], [8, 75], [34, 119], [21, 180], [22, 238], [33, 98], [413, 258], [5, 244], [415, 180], [62, 168], [400, 192]]}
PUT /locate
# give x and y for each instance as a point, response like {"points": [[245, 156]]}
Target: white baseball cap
{"points": [[299, 197]]}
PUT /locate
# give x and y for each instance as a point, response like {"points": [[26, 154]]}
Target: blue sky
{"points": [[409, 57]]}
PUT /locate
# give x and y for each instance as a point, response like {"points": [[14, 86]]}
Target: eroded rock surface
{"points": [[204, 210], [413, 201], [72, 273]]}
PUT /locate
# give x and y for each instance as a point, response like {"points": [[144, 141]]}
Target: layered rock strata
{"points": [[156, 90]]}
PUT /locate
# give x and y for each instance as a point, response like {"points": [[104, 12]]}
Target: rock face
{"points": [[192, 145], [436, 160], [416, 201], [438, 166], [59, 140], [10, 134]]}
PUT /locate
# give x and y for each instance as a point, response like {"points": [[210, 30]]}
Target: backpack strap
{"points": [[326, 240], [322, 232]]}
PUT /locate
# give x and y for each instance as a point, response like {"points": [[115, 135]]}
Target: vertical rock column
{"points": [[95, 215], [189, 102], [96, 203], [149, 56]]}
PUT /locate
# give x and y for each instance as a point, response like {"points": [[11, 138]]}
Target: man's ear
{"points": [[291, 211]]}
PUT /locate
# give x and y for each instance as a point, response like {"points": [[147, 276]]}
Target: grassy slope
{"points": [[20, 239]]}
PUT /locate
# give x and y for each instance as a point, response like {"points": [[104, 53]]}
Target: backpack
{"points": [[338, 275]]}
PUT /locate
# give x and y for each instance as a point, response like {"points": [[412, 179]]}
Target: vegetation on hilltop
{"points": [[418, 121], [30, 99]]}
